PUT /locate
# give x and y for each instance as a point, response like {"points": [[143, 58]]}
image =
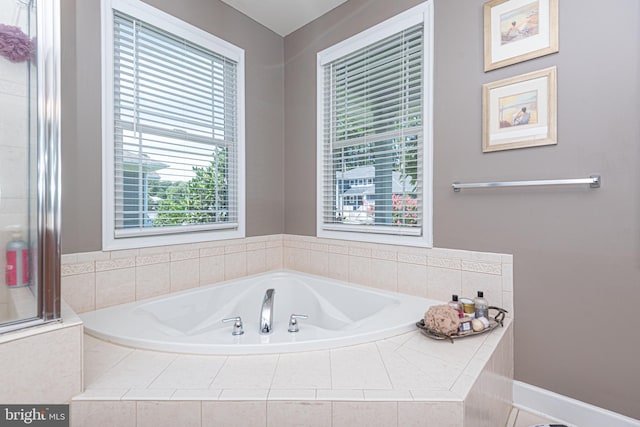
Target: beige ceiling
{"points": [[284, 16]]}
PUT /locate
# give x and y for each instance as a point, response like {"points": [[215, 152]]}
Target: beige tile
{"points": [[115, 264], [294, 414], [387, 395], [196, 394], [246, 372], [99, 357], [27, 362], [482, 267], [512, 417], [360, 270], [92, 256], [162, 258], [430, 414], [292, 394], [338, 265], [412, 279], [190, 371], [403, 374], [103, 414], [149, 394], [239, 394], [211, 269], [256, 261], [102, 394], [359, 250], [297, 259], [319, 263], [309, 370], [412, 258], [274, 258], [77, 268], [443, 282], [115, 287], [211, 251], [168, 414], [340, 395], [137, 370], [490, 284], [185, 274], [234, 414], [182, 255], [79, 292], [235, 265], [358, 367], [384, 275], [152, 280], [507, 277], [123, 253], [365, 414]]}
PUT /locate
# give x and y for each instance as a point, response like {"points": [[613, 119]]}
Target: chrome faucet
{"points": [[266, 314]]}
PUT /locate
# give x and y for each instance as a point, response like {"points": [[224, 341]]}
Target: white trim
{"points": [[420, 13], [180, 28], [565, 409]]}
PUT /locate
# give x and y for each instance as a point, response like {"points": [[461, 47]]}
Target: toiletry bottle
{"points": [[17, 268], [481, 304], [457, 305]]}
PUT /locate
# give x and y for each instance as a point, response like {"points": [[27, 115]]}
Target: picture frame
{"points": [[519, 30], [520, 111]]}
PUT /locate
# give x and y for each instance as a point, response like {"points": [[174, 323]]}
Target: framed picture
{"points": [[520, 111], [519, 30]]}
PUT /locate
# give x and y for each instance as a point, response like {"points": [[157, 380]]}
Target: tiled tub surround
{"points": [[96, 280], [42, 364], [407, 380]]}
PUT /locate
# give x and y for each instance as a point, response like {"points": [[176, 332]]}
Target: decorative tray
{"points": [[493, 323]]}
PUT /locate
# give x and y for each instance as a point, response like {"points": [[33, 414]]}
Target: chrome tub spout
{"points": [[266, 314]]}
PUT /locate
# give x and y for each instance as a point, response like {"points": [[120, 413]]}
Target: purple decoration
{"points": [[15, 45]]}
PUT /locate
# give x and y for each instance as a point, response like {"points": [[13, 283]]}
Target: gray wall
{"points": [[576, 250], [81, 110]]}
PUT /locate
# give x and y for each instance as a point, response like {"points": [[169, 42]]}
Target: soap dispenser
{"points": [[17, 267], [482, 307]]}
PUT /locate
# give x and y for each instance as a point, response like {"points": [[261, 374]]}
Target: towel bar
{"points": [[594, 181]]}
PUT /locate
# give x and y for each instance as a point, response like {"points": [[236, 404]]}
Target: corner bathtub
{"points": [[340, 314]]}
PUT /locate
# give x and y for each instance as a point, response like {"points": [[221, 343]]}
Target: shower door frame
{"points": [[48, 202]]}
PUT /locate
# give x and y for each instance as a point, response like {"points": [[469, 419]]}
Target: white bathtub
{"points": [[340, 314]]}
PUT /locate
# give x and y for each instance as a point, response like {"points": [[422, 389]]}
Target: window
{"points": [[173, 130], [374, 129]]}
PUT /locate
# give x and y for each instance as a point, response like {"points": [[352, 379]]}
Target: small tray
{"points": [[493, 323]]}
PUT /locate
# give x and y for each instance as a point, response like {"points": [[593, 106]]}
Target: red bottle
{"points": [[17, 261]]}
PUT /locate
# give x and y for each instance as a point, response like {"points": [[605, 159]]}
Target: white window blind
{"points": [[372, 153], [175, 133]]}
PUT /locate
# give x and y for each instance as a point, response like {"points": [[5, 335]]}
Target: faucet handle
{"points": [[237, 326], [293, 322]]}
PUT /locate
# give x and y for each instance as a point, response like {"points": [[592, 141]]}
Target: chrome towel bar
{"points": [[593, 181]]}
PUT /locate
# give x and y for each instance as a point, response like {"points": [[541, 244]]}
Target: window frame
{"points": [[422, 13], [175, 26]]}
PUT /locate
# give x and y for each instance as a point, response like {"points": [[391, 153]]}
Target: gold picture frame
{"points": [[520, 111], [519, 30]]}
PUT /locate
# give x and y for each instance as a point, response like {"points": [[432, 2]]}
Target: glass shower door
{"points": [[28, 133]]}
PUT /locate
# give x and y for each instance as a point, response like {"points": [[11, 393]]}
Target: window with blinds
{"points": [[174, 146], [373, 147]]}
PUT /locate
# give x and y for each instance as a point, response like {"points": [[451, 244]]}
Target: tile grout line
{"points": [[226, 359], [385, 370]]}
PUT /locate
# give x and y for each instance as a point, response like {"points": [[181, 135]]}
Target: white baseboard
{"points": [[565, 409]]}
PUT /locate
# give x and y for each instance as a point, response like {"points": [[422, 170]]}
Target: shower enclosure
{"points": [[29, 163]]}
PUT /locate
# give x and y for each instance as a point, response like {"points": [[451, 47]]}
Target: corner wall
{"points": [[576, 250]]}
